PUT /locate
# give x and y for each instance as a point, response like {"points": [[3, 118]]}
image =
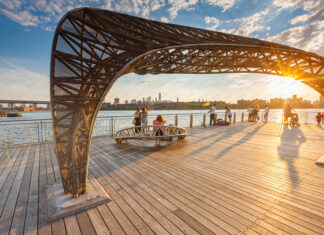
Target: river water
{"points": [[37, 127]]}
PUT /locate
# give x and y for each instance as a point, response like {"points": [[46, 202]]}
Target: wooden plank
{"points": [[49, 167], [192, 222], [44, 228], [110, 220], [72, 226], [56, 168], [58, 227], [17, 225], [32, 206], [128, 211], [8, 167], [151, 209], [97, 221], [85, 224], [9, 209]]}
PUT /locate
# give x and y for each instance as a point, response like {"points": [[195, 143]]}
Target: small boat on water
{"points": [[8, 114]]}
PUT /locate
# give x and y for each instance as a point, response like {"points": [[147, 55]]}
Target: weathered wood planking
{"points": [[245, 178]]}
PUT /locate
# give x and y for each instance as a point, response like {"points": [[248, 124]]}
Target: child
{"points": [[159, 132], [318, 119]]}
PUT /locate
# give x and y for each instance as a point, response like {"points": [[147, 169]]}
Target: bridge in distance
{"points": [[11, 103]]}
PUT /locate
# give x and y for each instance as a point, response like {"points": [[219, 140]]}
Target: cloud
{"points": [[225, 4], [315, 9], [306, 37], [212, 20], [21, 17], [20, 83], [299, 19], [46, 13], [229, 31], [252, 23], [164, 19], [177, 5]]}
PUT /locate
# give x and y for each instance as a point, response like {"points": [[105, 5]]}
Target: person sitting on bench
{"points": [[159, 132]]}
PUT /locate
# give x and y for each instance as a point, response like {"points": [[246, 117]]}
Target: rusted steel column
{"points": [[176, 120], [204, 120], [191, 120], [242, 116], [234, 118]]}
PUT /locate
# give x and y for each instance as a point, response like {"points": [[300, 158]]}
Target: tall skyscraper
{"points": [[160, 97]]}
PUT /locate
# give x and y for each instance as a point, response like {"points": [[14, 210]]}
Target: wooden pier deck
{"points": [[241, 179]]}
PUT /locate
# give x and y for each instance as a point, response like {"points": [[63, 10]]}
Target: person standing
{"points": [[229, 114], [212, 112], [137, 118], [144, 116], [318, 119], [287, 114], [266, 113]]}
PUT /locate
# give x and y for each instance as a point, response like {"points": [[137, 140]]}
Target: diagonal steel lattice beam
{"points": [[92, 48]]}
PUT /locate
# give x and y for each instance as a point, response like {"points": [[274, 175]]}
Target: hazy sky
{"points": [[27, 29]]}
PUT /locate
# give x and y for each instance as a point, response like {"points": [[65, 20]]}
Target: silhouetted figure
{"points": [[212, 112]]}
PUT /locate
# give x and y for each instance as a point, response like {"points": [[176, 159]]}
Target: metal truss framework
{"points": [[92, 48]]}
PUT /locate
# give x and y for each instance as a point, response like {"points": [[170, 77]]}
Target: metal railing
{"points": [[40, 130]]}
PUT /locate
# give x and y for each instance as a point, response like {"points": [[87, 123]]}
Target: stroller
{"points": [[293, 121]]}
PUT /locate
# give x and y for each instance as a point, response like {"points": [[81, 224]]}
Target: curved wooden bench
{"points": [[150, 132]]}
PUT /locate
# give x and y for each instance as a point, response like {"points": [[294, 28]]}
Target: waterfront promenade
{"points": [[248, 178]]}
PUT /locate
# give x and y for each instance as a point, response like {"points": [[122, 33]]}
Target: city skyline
{"points": [[290, 100], [28, 29]]}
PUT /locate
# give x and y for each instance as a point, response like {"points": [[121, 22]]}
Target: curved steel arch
{"points": [[92, 48]]}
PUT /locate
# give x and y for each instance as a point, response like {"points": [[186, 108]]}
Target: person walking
{"points": [[212, 112], [266, 113], [229, 114], [137, 119]]}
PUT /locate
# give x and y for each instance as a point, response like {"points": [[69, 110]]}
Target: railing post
{"points": [[45, 131], [38, 132], [176, 120], [242, 116], [204, 120], [112, 126], [41, 130], [191, 120], [234, 118], [225, 117]]}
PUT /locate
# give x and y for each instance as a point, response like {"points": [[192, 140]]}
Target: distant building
{"points": [[126, 101], [149, 99], [156, 100], [160, 97], [133, 101], [177, 99], [116, 101], [321, 101]]}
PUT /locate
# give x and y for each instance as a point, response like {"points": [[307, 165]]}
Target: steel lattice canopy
{"points": [[92, 48]]}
